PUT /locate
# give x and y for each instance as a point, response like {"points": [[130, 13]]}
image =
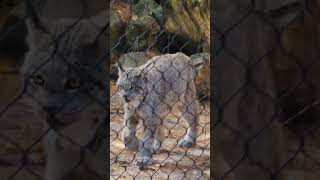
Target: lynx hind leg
{"points": [[189, 111], [158, 139]]}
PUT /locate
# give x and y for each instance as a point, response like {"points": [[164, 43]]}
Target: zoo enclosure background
{"points": [[17, 162], [290, 69], [268, 52], [139, 31], [21, 152]]}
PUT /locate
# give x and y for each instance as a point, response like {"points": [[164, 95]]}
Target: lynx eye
{"points": [[38, 80], [133, 88], [120, 87], [73, 83]]}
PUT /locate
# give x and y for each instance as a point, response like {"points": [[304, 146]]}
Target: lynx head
{"points": [[131, 85], [64, 71]]}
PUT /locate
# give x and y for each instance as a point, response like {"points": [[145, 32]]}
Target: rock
{"points": [[202, 80], [143, 27], [145, 7], [141, 33], [117, 30], [200, 60], [157, 14], [133, 59], [188, 18], [151, 8]]}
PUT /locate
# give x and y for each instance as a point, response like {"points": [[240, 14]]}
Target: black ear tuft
{"points": [[34, 18], [36, 25], [120, 68]]}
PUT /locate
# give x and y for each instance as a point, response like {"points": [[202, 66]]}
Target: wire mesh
{"points": [[265, 90], [54, 116], [55, 105], [159, 96], [265, 84]]}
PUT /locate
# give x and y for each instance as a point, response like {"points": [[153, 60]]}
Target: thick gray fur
{"points": [[68, 52], [164, 84]]}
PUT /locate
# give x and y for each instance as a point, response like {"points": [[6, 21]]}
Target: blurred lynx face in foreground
{"points": [[65, 76], [163, 85]]}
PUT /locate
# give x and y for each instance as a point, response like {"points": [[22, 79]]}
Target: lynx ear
{"points": [[34, 33], [121, 70], [35, 25]]}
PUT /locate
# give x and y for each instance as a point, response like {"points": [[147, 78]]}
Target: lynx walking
{"points": [[165, 84]]}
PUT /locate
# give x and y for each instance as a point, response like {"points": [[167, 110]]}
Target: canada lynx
{"points": [[150, 92], [64, 73]]}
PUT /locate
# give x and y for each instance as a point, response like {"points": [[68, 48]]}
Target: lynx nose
{"points": [[51, 110], [125, 97]]}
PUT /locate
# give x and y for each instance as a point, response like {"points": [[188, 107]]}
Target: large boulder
{"points": [[146, 7], [189, 18], [131, 59], [117, 30], [141, 32], [143, 27]]}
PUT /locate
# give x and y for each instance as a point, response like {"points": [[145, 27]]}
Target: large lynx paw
{"points": [[143, 161], [187, 142], [156, 147]]}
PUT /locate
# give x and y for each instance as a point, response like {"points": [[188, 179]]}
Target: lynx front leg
{"points": [[147, 146], [130, 123], [158, 139], [61, 157]]}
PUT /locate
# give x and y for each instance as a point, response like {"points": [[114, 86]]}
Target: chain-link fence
{"points": [[54, 90], [159, 108], [265, 90], [54, 97]]}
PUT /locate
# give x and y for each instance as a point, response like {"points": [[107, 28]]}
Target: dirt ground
{"points": [[20, 132], [172, 162]]}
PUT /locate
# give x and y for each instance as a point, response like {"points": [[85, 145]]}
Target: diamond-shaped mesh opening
{"points": [[265, 90], [66, 65]]}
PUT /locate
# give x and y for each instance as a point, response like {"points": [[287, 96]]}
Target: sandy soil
{"points": [[20, 132]]}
